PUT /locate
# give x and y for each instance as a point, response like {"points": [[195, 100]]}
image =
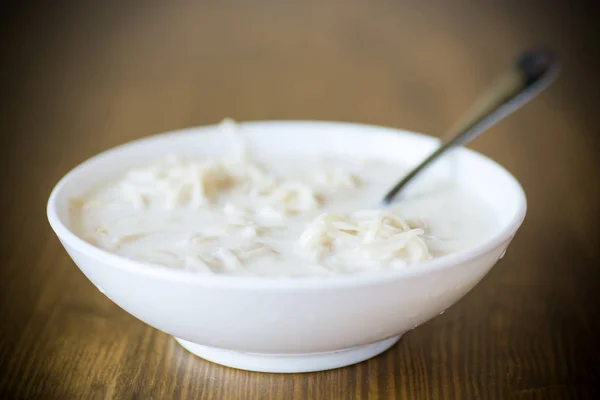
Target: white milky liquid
{"points": [[277, 215], [192, 215]]}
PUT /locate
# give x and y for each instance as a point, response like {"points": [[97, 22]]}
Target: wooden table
{"points": [[80, 78]]}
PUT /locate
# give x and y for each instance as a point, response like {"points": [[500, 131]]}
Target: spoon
{"points": [[532, 72]]}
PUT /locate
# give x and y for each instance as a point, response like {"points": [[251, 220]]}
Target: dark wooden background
{"points": [[81, 77]]}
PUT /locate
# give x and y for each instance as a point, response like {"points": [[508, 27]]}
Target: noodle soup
{"points": [[277, 216]]}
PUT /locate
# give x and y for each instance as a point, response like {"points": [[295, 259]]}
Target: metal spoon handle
{"points": [[533, 72]]}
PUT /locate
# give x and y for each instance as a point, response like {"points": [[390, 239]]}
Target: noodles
{"points": [[362, 238], [234, 215]]}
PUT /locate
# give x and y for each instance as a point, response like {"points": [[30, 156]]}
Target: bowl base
{"points": [[289, 363]]}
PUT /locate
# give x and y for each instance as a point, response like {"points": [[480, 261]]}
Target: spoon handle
{"points": [[533, 72]]}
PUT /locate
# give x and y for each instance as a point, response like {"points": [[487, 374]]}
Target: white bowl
{"points": [[303, 324]]}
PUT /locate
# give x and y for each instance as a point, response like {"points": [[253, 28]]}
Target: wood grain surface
{"points": [[81, 77]]}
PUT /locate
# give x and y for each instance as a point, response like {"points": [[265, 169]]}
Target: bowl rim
{"points": [[276, 282]]}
